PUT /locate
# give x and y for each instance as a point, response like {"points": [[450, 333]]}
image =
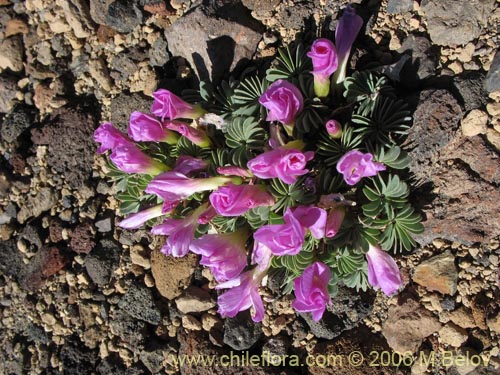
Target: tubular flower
{"points": [[235, 200], [334, 129], [284, 102], [170, 106], [186, 164], [224, 254], [242, 295], [383, 272], [177, 186], [355, 165], [285, 164], [180, 233], [134, 221], [196, 136], [130, 159], [109, 137], [324, 59], [312, 218], [145, 128], [311, 290], [334, 221]]}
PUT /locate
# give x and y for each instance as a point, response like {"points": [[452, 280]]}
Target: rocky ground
{"points": [[79, 296]]}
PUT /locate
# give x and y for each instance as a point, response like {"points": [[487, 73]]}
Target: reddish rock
{"points": [[55, 230], [159, 8], [46, 262], [438, 273], [82, 239]]}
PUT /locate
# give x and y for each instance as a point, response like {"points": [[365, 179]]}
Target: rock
{"points": [[452, 335], [140, 257], [15, 123], [76, 359], [493, 323], [123, 105], [456, 22], [276, 346], [31, 234], [16, 26], [123, 67], [194, 299], [104, 225], [69, 135], [191, 323], [240, 332], [138, 302], [335, 357], [493, 137], [153, 359], [262, 9], [77, 14], [121, 15], [158, 53], [45, 263], [34, 205], [407, 325], [462, 317], [82, 239], [492, 81], [470, 86], [11, 260], [212, 46], [476, 122], [438, 273], [424, 58], [102, 262], [99, 72], [172, 275], [8, 88], [128, 329], [11, 54], [399, 6], [328, 327]]}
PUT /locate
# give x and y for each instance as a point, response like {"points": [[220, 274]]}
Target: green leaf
{"points": [[333, 149], [287, 195], [244, 136], [291, 63], [365, 87], [393, 157], [246, 97], [384, 194]]}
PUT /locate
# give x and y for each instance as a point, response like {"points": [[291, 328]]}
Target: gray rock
{"points": [[11, 54], [129, 329], [121, 15], [44, 200], [8, 90], [15, 123], [212, 46], [240, 332], [138, 302], [158, 53], [328, 327], [123, 105], [31, 234], [470, 86], [277, 347], [102, 262], [456, 22], [399, 6], [104, 225], [492, 82], [153, 360], [11, 260], [424, 58], [123, 67]]}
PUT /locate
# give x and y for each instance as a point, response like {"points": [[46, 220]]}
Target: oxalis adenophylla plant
{"points": [[296, 170]]}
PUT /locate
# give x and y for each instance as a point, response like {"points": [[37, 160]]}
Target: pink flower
{"points": [[383, 272], [180, 233], [261, 256], [233, 170], [186, 164], [146, 128], [235, 200], [324, 59], [311, 290], [224, 254], [346, 32], [355, 165], [109, 137], [334, 129], [243, 295], [134, 221], [196, 136], [283, 163], [169, 105], [207, 215], [283, 101], [312, 218], [282, 239], [130, 159], [173, 186], [334, 221]]}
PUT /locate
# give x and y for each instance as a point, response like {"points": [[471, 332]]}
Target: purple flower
{"points": [[145, 128], [324, 59], [207, 215], [261, 256], [383, 271], [355, 165], [345, 34], [169, 105], [311, 290], [186, 164], [224, 254], [334, 221], [283, 101], [134, 221], [233, 170], [334, 129], [130, 159], [235, 200], [282, 239], [109, 137], [196, 136], [243, 295], [173, 186], [283, 163], [180, 233], [312, 218]]}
